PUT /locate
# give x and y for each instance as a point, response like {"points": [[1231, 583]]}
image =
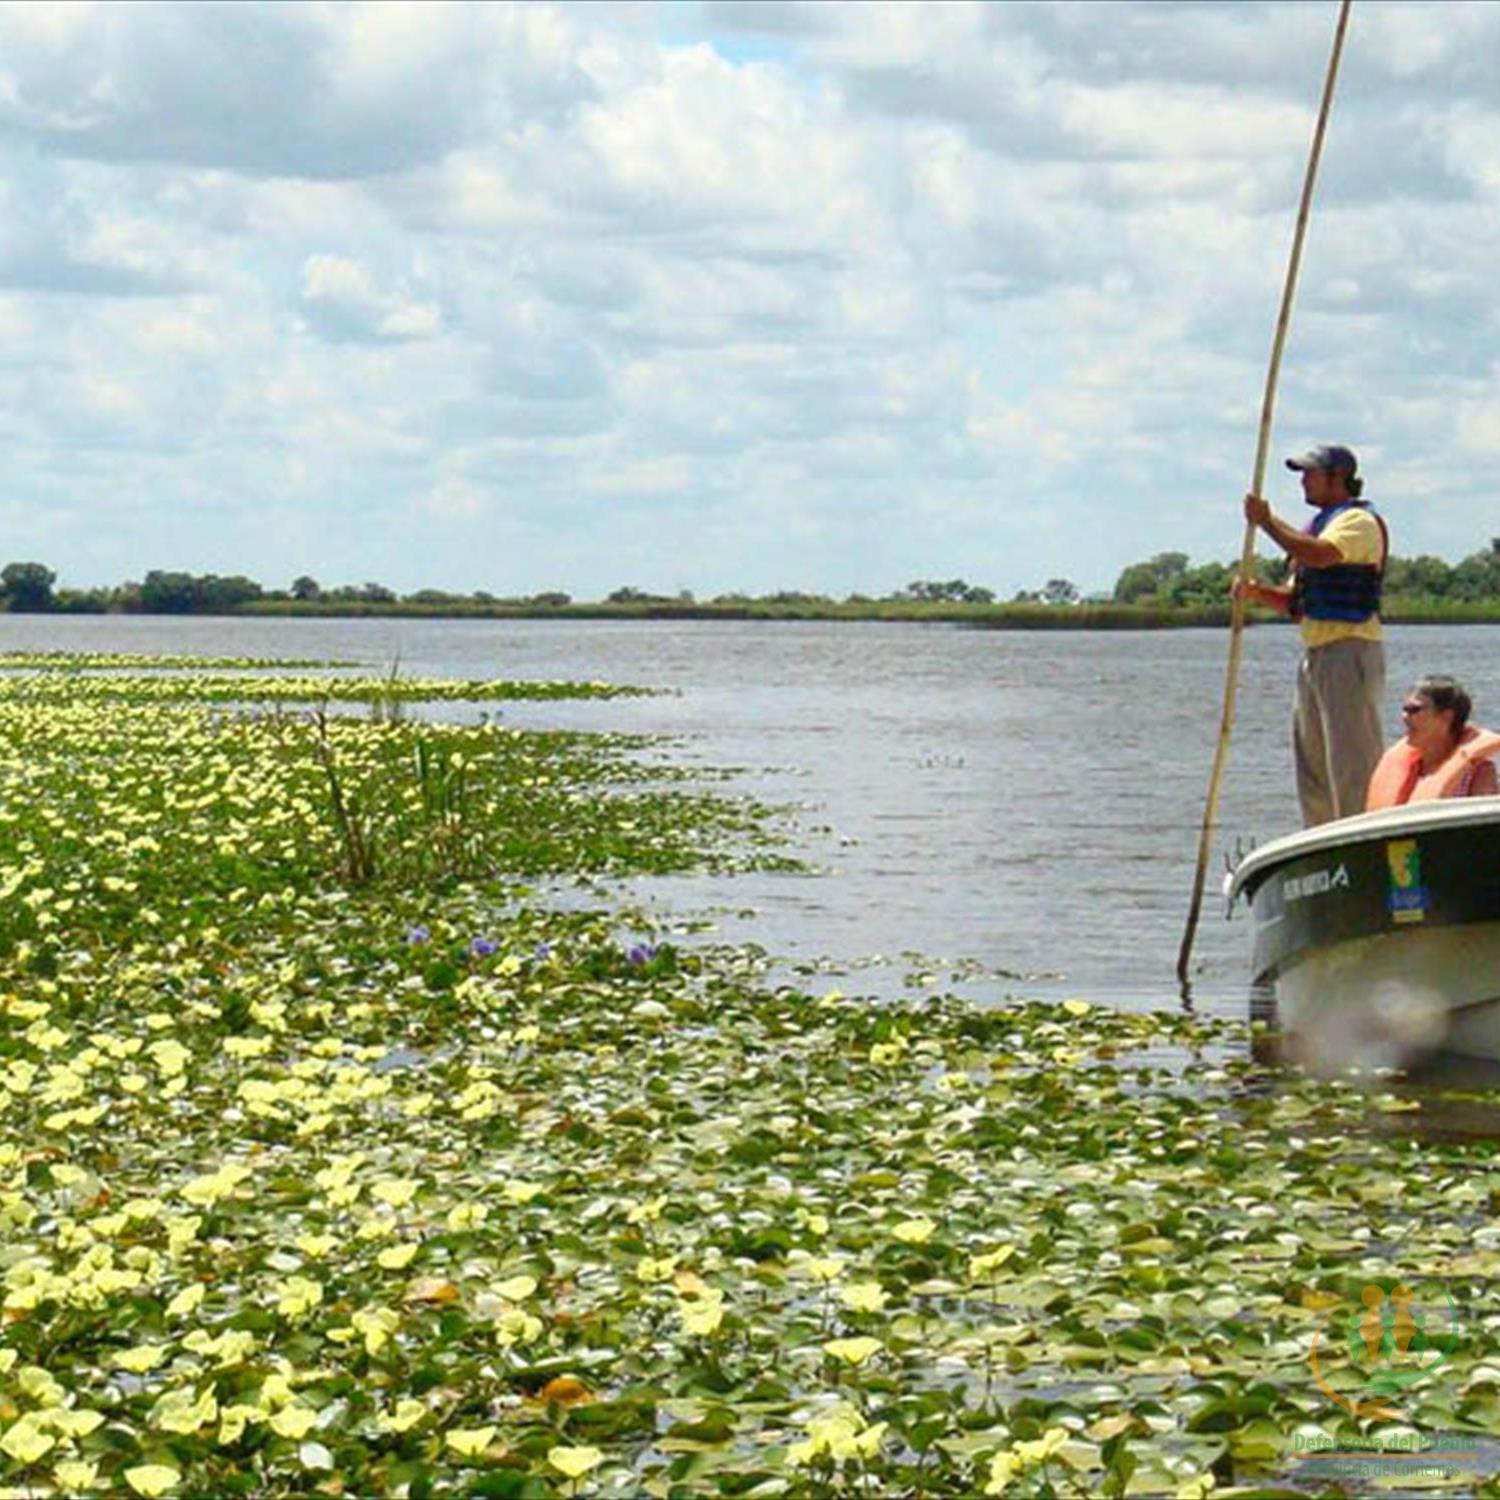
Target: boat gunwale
{"points": [[1363, 828]]}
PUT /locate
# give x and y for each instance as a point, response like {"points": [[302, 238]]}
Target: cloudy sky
{"points": [[722, 295]]}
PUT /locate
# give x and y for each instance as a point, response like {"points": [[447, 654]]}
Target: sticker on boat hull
{"points": [[1406, 897]]}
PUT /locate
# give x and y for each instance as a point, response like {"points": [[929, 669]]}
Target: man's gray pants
{"points": [[1336, 730]]}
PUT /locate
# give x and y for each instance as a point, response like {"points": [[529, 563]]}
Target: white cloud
{"points": [[500, 295], [341, 301], [456, 499]]}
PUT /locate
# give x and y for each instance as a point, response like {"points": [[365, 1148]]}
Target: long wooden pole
{"points": [[1247, 548]]}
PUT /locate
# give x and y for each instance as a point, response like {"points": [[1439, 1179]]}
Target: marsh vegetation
{"points": [[348, 1163]]}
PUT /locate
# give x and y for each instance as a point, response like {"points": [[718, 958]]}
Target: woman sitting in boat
{"points": [[1441, 755]]}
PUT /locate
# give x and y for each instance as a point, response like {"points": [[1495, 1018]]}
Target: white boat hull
{"points": [[1392, 999], [1380, 935]]}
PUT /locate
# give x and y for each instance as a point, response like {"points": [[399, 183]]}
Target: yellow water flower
{"points": [[339, 1171], [141, 1358], [517, 1326], [293, 1422], [62, 1085], [521, 1193], [467, 1216], [181, 1411], [823, 1267], [981, 1266], [1004, 1467], [395, 1191], [46, 1037], [182, 1231], [1041, 1448], [151, 1480], [863, 1296], [651, 1268], [469, 1441], [170, 1057], [247, 1046], [517, 1288], [840, 1433], [574, 1462], [853, 1351], [915, 1231], [76, 1476], [1077, 1007], [25, 1440], [186, 1301], [703, 1315], [74, 1422], [315, 1124], [377, 1324], [211, 1186], [234, 1419], [41, 1385], [397, 1257], [231, 1347], [316, 1246], [407, 1414], [298, 1295], [1008, 1463]]}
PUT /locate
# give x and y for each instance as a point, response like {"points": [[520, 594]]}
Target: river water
{"points": [[1026, 804]]}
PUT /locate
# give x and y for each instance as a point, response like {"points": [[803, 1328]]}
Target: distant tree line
{"points": [[30, 587], [1168, 579]]}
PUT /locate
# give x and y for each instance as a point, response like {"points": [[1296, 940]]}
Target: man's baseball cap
{"points": [[1332, 457]]}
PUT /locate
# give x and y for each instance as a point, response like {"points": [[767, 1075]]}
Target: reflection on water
{"points": [[1453, 1098], [1457, 1099]]}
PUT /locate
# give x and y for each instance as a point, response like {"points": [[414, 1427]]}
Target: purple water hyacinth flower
{"points": [[482, 947], [542, 951], [417, 934], [641, 953]]}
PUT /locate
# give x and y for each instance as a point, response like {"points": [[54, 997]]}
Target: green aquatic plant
{"points": [[351, 818], [95, 661], [381, 693], [311, 1184]]}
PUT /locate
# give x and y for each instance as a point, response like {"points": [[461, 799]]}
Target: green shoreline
{"points": [[977, 616]]}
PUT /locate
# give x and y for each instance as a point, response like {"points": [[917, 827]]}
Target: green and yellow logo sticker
{"points": [[1406, 896]]}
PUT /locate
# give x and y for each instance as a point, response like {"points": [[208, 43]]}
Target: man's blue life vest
{"points": [[1346, 591]]}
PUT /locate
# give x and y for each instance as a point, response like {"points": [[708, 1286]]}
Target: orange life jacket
{"points": [[1398, 778]]}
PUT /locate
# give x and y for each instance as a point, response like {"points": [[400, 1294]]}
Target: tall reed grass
{"points": [[409, 812]]}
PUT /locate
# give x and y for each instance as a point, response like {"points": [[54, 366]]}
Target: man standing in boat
{"points": [[1338, 562]]}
